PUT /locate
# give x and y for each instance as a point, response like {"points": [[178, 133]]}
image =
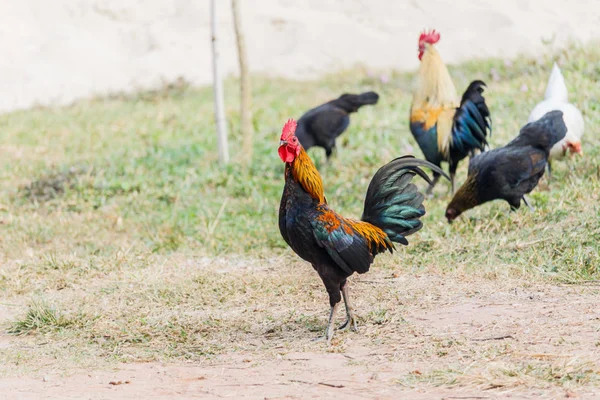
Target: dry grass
{"points": [[121, 240]]}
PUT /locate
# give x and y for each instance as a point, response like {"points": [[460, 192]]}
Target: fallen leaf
{"points": [[116, 383]]}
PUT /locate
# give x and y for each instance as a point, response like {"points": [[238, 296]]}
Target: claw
{"points": [[350, 323], [318, 339]]}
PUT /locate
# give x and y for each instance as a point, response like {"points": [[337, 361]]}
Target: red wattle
{"points": [[285, 155]]}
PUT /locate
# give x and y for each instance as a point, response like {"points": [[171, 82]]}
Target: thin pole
{"points": [[218, 90], [245, 88]]}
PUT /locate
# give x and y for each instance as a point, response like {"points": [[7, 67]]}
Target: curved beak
{"points": [[283, 142]]}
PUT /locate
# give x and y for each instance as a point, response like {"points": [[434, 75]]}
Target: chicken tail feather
{"points": [[393, 203]]}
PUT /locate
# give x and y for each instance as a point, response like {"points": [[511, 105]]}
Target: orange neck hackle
{"points": [[299, 163], [307, 175]]}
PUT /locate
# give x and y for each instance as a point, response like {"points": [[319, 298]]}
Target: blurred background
{"points": [[59, 51]]}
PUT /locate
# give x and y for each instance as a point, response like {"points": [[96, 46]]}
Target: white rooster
{"points": [[556, 98]]}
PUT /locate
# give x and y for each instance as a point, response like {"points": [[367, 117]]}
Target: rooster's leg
{"points": [[452, 175], [332, 281], [549, 171], [330, 152], [531, 208], [351, 321], [330, 328], [436, 178]]}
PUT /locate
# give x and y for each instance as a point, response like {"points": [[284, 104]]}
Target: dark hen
{"points": [[512, 171], [322, 125]]}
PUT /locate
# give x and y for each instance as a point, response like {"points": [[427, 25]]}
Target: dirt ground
{"points": [[506, 341]]}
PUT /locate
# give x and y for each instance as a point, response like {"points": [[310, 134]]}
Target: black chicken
{"points": [[323, 124], [512, 171]]}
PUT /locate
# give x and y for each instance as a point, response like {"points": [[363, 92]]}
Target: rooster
{"points": [[321, 125], [445, 129], [556, 98], [512, 171], [337, 246]]}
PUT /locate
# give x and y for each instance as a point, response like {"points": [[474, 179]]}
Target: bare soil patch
{"points": [[503, 340]]}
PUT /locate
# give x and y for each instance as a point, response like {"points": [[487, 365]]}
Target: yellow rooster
{"points": [[446, 129]]}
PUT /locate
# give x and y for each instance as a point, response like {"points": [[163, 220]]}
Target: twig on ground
{"points": [[465, 397], [318, 383], [494, 338], [331, 385], [243, 384], [543, 355]]}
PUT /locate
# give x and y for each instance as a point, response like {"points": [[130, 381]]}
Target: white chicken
{"points": [[556, 98]]}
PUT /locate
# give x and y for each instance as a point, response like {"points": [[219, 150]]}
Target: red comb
{"points": [[431, 37], [288, 129]]}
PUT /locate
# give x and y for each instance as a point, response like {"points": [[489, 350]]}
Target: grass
{"points": [[116, 212], [39, 318], [530, 374], [142, 173]]}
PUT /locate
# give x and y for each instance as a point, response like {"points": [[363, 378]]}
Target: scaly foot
{"points": [[350, 323]]}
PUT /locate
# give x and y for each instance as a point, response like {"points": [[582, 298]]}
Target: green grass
{"points": [[107, 207], [141, 172], [40, 317]]}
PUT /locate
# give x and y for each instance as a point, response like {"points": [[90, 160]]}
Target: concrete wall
{"points": [[52, 52]]}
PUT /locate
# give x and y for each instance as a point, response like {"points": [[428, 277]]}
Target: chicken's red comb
{"points": [[431, 37], [288, 129]]}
